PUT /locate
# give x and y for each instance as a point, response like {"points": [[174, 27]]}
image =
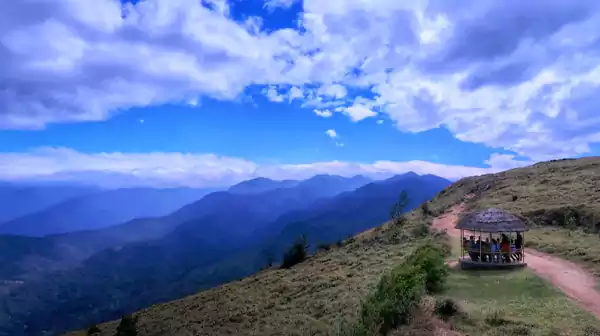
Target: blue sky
{"points": [[204, 93]]}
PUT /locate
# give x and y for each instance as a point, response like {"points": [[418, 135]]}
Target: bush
{"points": [[400, 291], [127, 326], [497, 318], [421, 230], [93, 330], [296, 254], [324, 247], [446, 308], [397, 294], [425, 209], [430, 260]]}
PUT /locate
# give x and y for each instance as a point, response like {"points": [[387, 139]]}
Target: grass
{"points": [[575, 245], [560, 200], [311, 298], [542, 190], [327, 290], [513, 302]]}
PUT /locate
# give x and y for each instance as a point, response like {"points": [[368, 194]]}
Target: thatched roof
{"points": [[491, 220]]}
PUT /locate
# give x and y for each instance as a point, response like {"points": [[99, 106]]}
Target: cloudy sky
{"points": [[210, 92]]}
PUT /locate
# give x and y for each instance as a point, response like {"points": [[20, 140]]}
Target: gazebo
{"points": [[500, 249]]}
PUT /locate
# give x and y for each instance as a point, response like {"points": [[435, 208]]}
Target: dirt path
{"points": [[574, 281]]}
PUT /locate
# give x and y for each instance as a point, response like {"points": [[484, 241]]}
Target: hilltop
{"points": [[315, 296]]}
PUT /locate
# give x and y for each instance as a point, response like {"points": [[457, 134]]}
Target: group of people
{"points": [[502, 249]]}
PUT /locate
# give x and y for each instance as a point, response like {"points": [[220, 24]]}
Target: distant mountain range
{"points": [[216, 239], [20, 200], [101, 209]]}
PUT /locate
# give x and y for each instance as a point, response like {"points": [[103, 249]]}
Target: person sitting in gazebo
{"points": [[519, 246], [498, 247], [495, 250], [505, 248], [472, 249]]}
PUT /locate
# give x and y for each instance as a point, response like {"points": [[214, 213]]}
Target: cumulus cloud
{"points": [[323, 113], [174, 169], [331, 133], [521, 76]]}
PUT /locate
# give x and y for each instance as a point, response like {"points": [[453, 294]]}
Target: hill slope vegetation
{"points": [[186, 247], [314, 296]]}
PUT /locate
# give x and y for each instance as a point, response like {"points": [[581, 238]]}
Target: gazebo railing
{"points": [[477, 254], [515, 254]]}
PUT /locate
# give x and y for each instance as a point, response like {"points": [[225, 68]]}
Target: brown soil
{"points": [[575, 282]]}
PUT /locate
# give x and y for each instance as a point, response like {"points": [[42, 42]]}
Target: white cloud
{"points": [[273, 95], [201, 170], [357, 112], [380, 121], [336, 91], [323, 113], [271, 5], [521, 76], [339, 144], [331, 133]]}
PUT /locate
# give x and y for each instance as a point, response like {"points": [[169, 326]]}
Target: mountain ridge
{"points": [[178, 263], [102, 209], [312, 296]]}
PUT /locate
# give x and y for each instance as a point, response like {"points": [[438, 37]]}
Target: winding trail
{"points": [[574, 281]]}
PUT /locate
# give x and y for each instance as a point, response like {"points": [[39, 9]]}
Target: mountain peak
{"points": [[260, 185]]}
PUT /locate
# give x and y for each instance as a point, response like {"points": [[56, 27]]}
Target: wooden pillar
{"points": [[480, 244], [523, 248], [462, 246]]}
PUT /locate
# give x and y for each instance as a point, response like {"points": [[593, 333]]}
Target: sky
{"points": [[211, 92]]}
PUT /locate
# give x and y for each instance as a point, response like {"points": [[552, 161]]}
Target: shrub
{"points": [[324, 247], [421, 230], [425, 209], [430, 260], [93, 330], [496, 318], [127, 326], [397, 294], [446, 308], [296, 254]]}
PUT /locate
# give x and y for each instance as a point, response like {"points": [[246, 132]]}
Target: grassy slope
{"points": [[522, 303], [546, 194], [310, 299], [313, 297]]}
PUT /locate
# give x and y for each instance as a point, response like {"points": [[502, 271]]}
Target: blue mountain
{"points": [[102, 209], [260, 185], [212, 241], [18, 200]]}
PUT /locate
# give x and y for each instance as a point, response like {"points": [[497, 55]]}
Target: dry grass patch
{"points": [[560, 200], [512, 302], [575, 245], [541, 187], [515, 303], [311, 298]]}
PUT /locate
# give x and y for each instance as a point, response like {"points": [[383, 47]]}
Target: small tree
{"points": [[425, 208], [269, 258], [296, 254], [397, 212], [127, 326]]}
